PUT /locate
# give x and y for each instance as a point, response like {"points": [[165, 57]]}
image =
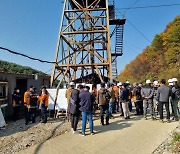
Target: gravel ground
{"points": [[17, 136], [166, 147]]}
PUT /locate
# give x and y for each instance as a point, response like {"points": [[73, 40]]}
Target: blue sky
{"points": [[31, 27]]}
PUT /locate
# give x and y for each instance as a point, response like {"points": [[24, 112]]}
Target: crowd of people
{"points": [[32, 102], [112, 98]]}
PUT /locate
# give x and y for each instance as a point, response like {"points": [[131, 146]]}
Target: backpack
{"points": [[176, 92]]}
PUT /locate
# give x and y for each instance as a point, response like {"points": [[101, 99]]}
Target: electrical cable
{"points": [[23, 55], [151, 6], [131, 6], [135, 27]]}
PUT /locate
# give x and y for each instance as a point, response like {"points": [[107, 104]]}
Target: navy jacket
{"points": [[125, 95], [86, 101]]}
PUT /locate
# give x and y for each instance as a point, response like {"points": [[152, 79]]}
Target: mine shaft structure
{"points": [[84, 41]]}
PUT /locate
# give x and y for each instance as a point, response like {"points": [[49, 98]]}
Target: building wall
{"points": [[12, 78]]}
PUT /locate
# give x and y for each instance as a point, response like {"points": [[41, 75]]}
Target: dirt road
{"points": [[134, 136]]}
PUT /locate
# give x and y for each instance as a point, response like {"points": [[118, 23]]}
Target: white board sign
{"points": [[61, 103]]}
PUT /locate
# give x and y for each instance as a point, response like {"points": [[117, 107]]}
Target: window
{"points": [[3, 90]]}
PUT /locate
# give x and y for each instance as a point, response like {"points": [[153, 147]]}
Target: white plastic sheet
{"points": [[61, 103], [2, 121]]}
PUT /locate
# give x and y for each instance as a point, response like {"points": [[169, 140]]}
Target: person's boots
{"points": [[107, 120], [102, 120], [152, 117]]}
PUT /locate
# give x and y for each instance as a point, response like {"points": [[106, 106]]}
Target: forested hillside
{"points": [[14, 68], [159, 60]]}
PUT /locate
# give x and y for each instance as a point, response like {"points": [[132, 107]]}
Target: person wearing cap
{"points": [[44, 100], [163, 94], [16, 101], [86, 107], [103, 103], [175, 98], [74, 106], [67, 95], [110, 87], [155, 101], [125, 98], [147, 95]]}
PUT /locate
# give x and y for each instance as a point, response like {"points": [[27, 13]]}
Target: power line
{"points": [[126, 9], [135, 27], [23, 55], [151, 6]]}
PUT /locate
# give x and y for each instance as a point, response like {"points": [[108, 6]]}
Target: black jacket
{"points": [[75, 97]]}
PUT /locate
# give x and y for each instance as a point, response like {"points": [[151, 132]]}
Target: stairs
{"points": [[118, 49]]}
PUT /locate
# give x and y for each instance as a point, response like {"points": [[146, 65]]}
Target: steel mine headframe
{"points": [[84, 45]]}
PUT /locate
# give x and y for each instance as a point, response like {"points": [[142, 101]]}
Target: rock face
{"points": [[18, 136]]}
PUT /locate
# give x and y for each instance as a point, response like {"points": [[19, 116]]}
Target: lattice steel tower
{"points": [[84, 45]]}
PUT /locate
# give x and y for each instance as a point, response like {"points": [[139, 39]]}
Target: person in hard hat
{"points": [[170, 98], [155, 101], [125, 98], [44, 100], [175, 98], [16, 101], [163, 94], [147, 95], [67, 95]]}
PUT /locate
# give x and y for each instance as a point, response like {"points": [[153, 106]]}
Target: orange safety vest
{"points": [[27, 98], [44, 99]]}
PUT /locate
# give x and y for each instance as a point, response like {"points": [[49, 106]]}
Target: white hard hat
{"points": [[170, 81], [171, 84], [72, 84], [174, 80], [155, 83], [127, 81], [83, 84], [148, 81], [119, 84]]}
